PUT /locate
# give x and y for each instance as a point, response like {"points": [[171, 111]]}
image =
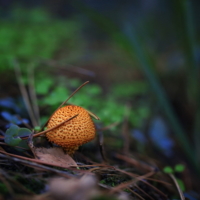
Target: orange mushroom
{"points": [[73, 133]]}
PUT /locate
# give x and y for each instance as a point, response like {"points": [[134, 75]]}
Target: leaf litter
{"points": [[116, 175], [121, 176], [54, 156]]}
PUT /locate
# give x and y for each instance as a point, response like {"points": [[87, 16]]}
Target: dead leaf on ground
{"points": [[55, 156]]}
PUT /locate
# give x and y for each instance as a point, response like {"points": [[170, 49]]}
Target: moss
{"points": [[3, 188]]}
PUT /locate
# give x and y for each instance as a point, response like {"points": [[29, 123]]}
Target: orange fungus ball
{"points": [[73, 133]]}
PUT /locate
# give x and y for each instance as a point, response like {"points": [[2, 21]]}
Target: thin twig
{"points": [[177, 186], [136, 175], [141, 166], [72, 94], [68, 67], [92, 114], [109, 126], [42, 132], [125, 130], [159, 181], [156, 189], [31, 145], [101, 146], [67, 100], [33, 163], [24, 93], [135, 193], [97, 165], [145, 182], [143, 192], [126, 184], [23, 122], [50, 129], [31, 85]]}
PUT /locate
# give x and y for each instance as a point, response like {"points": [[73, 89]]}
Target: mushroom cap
{"points": [[73, 133]]}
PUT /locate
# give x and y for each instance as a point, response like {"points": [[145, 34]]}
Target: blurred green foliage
{"points": [[106, 106], [32, 35], [127, 90]]}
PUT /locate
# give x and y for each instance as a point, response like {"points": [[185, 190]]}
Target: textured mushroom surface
{"points": [[73, 133]]}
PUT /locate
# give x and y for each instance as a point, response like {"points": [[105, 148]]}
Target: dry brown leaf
{"points": [[55, 156]]}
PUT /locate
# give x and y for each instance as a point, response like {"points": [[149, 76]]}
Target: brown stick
{"points": [[24, 93], [177, 186], [126, 184], [72, 94], [40, 133], [67, 100], [34, 163]]}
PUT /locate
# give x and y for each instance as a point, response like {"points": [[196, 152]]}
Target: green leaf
{"points": [[43, 86], [94, 89], [37, 128], [12, 141], [24, 132], [127, 90], [13, 134], [10, 138], [57, 96], [75, 83], [181, 184], [12, 130], [23, 144], [168, 170], [179, 168]]}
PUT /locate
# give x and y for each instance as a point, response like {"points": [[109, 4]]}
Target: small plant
{"points": [[13, 134], [177, 169]]}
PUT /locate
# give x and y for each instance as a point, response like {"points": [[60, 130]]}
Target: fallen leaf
{"points": [[56, 156]]}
